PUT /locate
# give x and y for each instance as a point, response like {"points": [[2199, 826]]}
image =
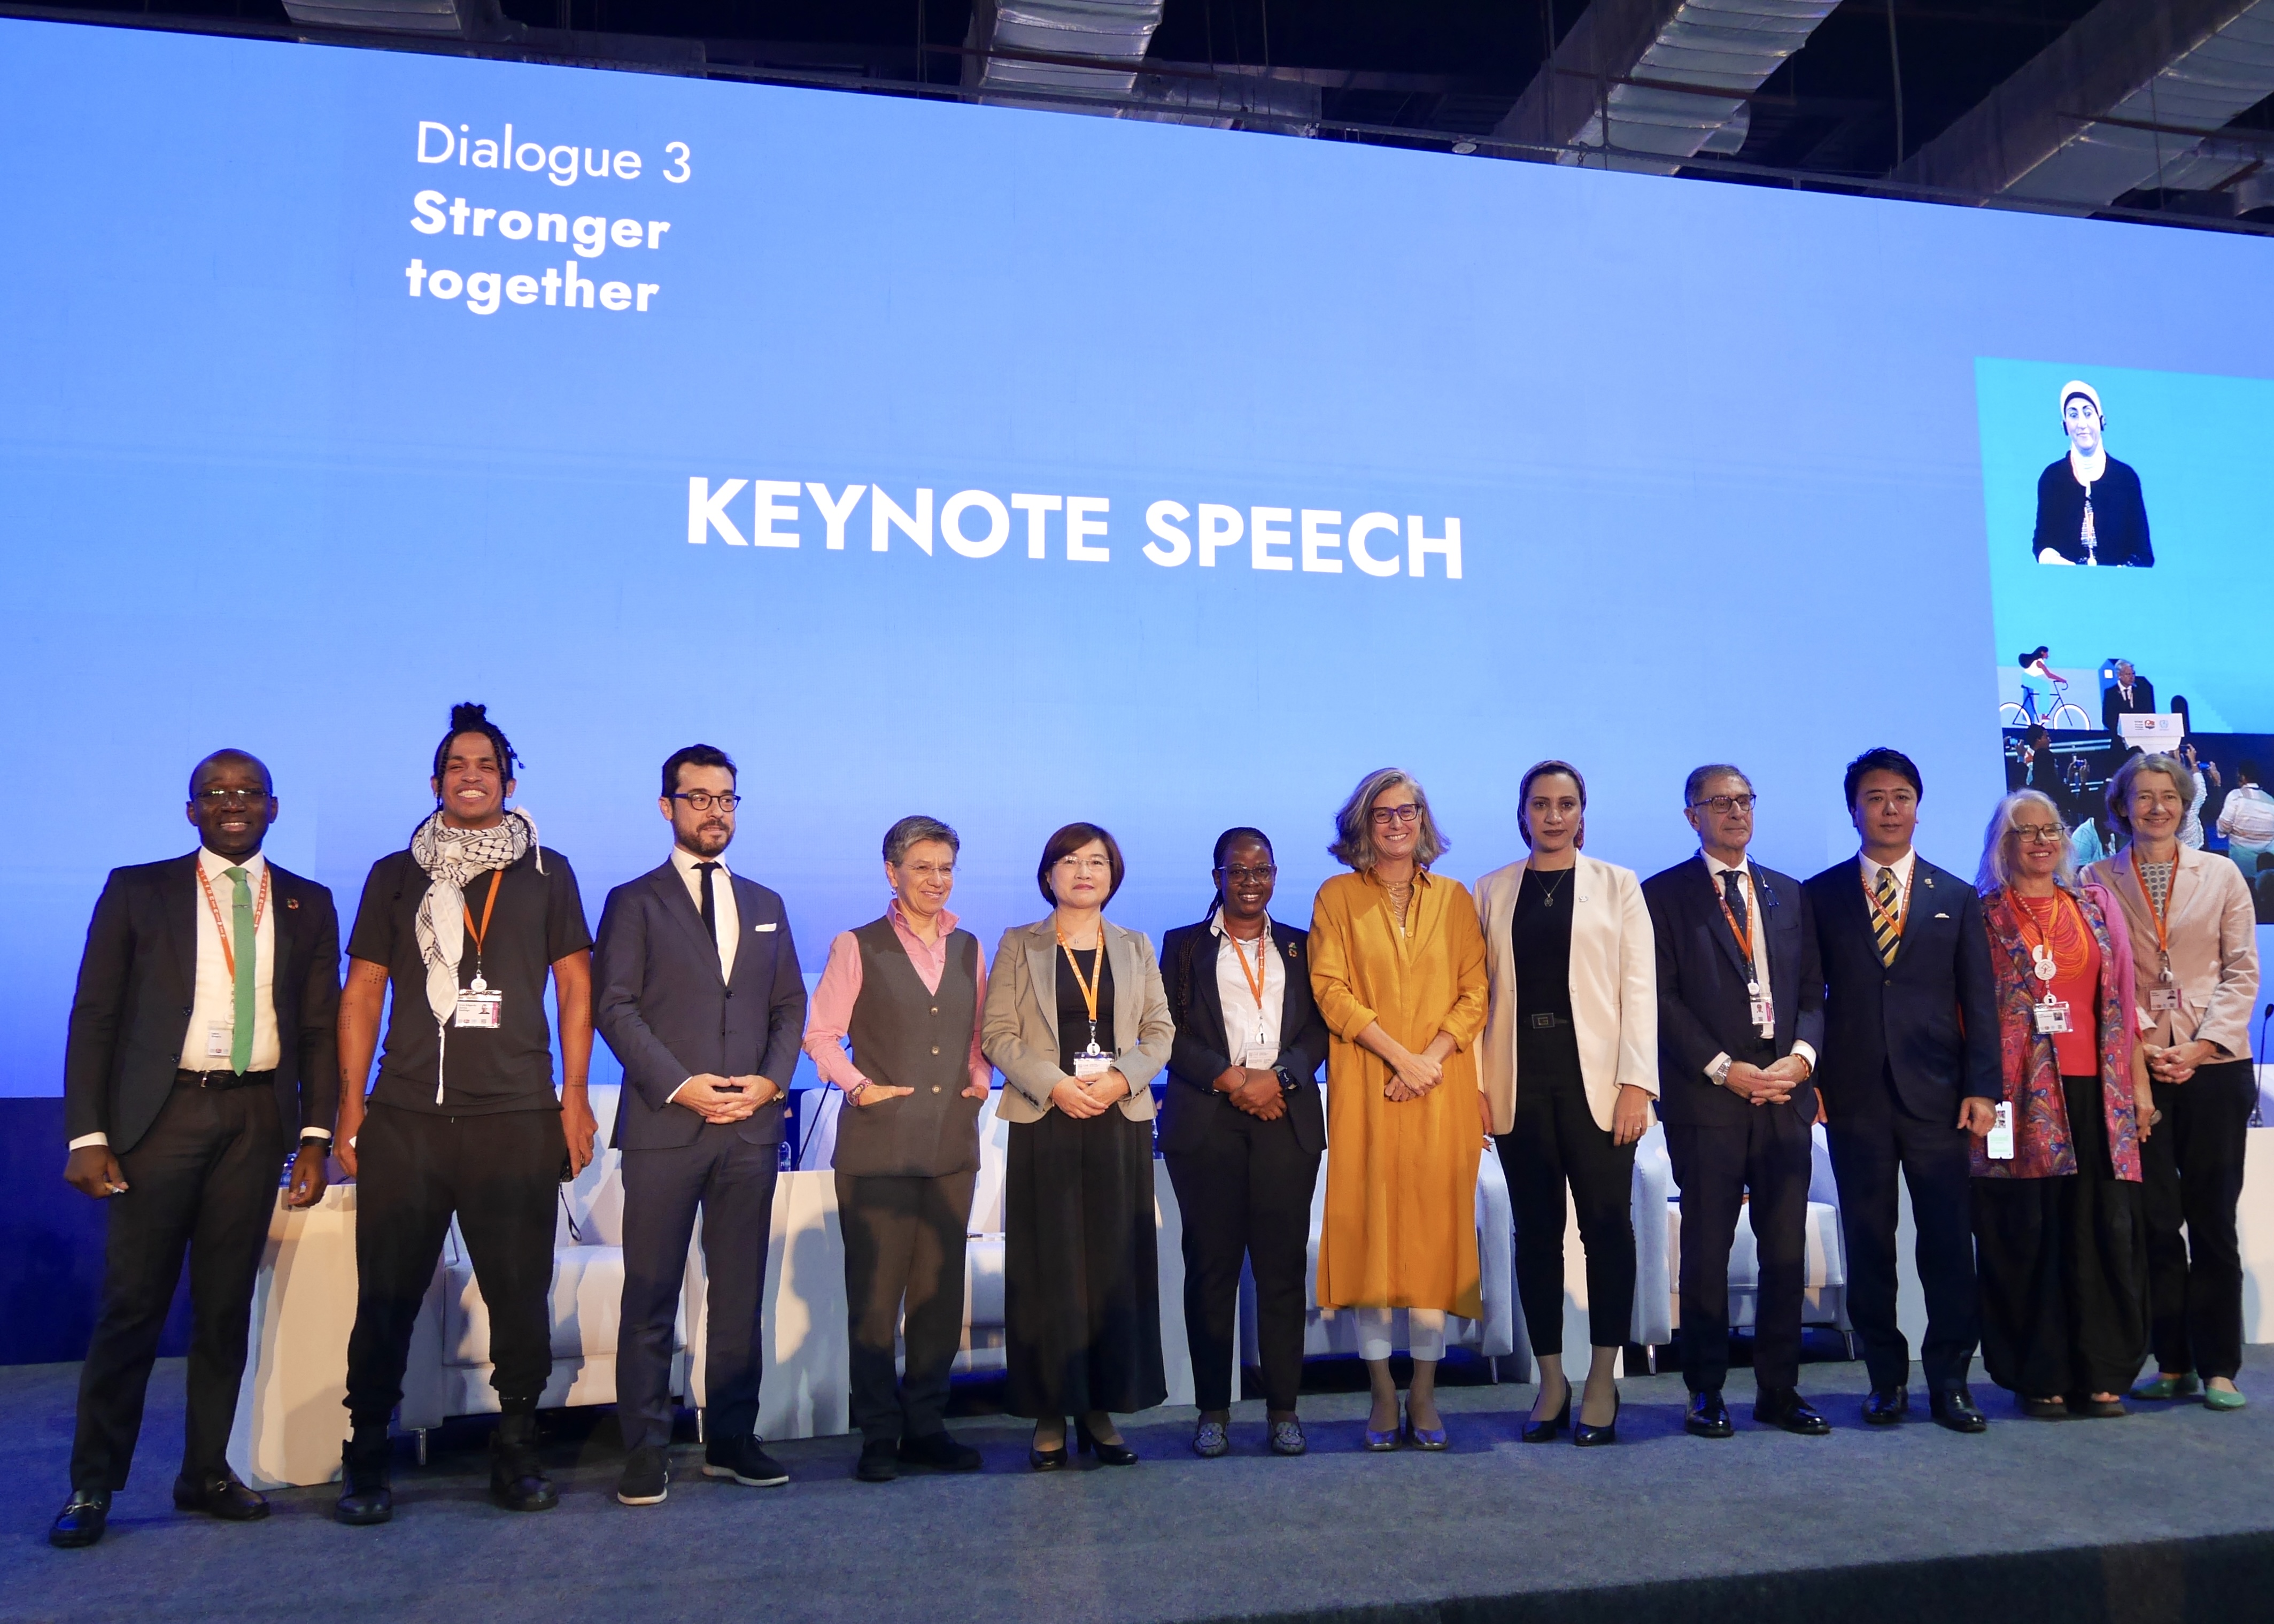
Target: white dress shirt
{"points": [[213, 999], [1744, 868], [726, 923], [1246, 1022], [1902, 866]]}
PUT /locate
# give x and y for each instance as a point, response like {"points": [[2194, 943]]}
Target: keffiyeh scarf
{"points": [[451, 858]]}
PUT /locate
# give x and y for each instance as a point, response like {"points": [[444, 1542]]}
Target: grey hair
{"points": [[1997, 860], [1353, 845], [2120, 787], [1700, 776], [910, 831]]}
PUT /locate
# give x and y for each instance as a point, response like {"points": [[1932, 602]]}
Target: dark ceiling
{"points": [[1867, 85]]}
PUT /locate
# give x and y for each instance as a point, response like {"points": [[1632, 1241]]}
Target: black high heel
{"points": [[1108, 1454], [1047, 1460], [1590, 1436], [1545, 1431]]}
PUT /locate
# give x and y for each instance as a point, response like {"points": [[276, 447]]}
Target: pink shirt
{"points": [[830, 1012]]}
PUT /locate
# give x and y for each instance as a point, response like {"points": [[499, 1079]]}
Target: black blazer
{"points": [[1702, 1002], [659, 1000], [2120, 516], [1931, 1020], [135, 982], [1191, 1105], [2112, 705]]}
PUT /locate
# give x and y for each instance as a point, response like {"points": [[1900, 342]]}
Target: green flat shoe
{"points": [[2214, 1398], [2165, 1388]]}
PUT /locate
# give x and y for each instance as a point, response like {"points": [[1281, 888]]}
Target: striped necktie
{"points": [[1884, 918], [243, 937]]}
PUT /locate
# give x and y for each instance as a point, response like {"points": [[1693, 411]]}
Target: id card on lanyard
{"points": [[1760, 1009], [221, 1037], [479, 1006], [1258, 1056], [1092, 1061], [2164, 998]]}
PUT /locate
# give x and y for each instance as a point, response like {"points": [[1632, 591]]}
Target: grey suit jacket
{"points": [[1020, 1033]]}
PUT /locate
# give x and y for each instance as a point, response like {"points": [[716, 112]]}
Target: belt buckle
{"points": [[1543, 1022]]}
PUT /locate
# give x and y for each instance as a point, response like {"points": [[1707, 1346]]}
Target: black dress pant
{"points": [[732, 1181], [2192, 1165], [904, 1239], [203, 1180], [501, 1176], [1081, 1283], [1768, 1156], [2064, 1294], [1872, 1141], [1553, 1141], [1244, 1191]]}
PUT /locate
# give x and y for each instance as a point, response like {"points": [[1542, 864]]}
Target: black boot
{"points": [[365, 1461], [518, 1479]]}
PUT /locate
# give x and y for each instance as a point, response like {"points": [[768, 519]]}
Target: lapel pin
{"points": [[292, 902]]}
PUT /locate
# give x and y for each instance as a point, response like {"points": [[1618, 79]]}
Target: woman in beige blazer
{"points": [[1079, 1025], [1574, 1012], [2195, 956]]}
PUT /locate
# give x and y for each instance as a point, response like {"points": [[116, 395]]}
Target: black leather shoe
{"points": [[942, 1452], [1708, 1417], [1108, 1454], [1594, 1437], [366, 1496], [1956, 1410], [1886, 1406], [1545, 1431], [2084, 1406], [1783, 1406], [2044, 1408], [741, 1459], [518, 1479], [880, 1461], [220, 1495], [82, 1520], [1048, 1460], [647, 1478]]}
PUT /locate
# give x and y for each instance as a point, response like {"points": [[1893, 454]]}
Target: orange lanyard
{"points": [[1744, 934], [2039, 937], [260, 907], [480, 933], [1096, 973], [1894, 921], [2161, 916], [1255, 981]]}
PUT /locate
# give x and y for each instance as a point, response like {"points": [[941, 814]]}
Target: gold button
{"points": [[935, 1088], [934, 1049], [935, 1008]]}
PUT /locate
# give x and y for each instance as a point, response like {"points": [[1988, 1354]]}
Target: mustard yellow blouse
{"points": [[1400, 1229]]}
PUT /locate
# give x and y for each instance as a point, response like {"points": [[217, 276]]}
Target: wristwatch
{"points": [[1721, 1073], [1287, 1083], [318, 1141]]}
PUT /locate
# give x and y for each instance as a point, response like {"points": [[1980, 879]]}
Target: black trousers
{"points": [[1872, 1141], [1553, 1142], [903, 1244], [203, 1180], [732, 1181], [2192, 1165], [501, 1176], [1244, 1191], [2063, 1264], [1081, 1283], [1768, 1157]]}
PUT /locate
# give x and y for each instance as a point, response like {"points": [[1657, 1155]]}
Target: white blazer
{"points": [[1614, 987]]}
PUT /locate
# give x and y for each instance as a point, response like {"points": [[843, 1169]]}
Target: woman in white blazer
{"points": [[1569, 1064]]}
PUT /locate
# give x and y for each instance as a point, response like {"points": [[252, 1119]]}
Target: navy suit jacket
{"points": [[136, 980], [1200, 1055], [666, 1011], [1702, 1002], [1931, 1020]]}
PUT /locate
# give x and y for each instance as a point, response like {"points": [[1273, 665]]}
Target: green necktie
{"points": [[241, 933]]}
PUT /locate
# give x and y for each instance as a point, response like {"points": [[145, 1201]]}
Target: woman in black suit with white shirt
{"points": [[1242, 1129]]}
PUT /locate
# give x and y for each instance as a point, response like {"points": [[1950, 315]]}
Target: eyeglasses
{"points": [[1721, 806], [1235, 874], [1383, 817], [217, 797], [2039, 831], [703, 801], [1086, 865], [927, 871]]}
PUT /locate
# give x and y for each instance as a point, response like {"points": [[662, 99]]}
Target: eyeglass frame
{"points": [[708, 801], [1406, 812], [1721, 806], [1233, 873]]}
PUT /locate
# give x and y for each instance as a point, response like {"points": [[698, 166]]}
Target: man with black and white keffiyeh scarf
{"points": [[451, 858]]}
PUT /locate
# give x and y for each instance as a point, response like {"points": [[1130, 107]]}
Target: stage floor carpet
{"points": [[2167, 1516]]}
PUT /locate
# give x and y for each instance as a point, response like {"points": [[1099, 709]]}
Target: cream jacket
{"points": [[1019, 1031], [2214, 936]]}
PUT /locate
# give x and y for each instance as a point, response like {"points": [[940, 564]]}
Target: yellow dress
{"points": [[1401, 1225]]}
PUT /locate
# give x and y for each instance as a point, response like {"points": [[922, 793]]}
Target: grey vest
{"points": [[907, 1038]]}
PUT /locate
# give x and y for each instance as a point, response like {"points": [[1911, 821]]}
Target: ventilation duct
{"points": [[465, 19], [2122, 100], [1646, 85], [1039, 34]]}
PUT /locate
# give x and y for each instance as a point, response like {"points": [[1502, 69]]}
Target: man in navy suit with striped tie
{"points": [[1910, 1066]]}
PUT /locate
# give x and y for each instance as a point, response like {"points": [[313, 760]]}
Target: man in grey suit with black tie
{"points": [[696, 990]]}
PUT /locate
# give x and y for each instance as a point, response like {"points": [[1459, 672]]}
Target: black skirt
{"points": [[1082, 1286]]}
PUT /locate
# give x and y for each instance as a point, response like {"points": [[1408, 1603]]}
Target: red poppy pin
{"points": [[292, 902]]}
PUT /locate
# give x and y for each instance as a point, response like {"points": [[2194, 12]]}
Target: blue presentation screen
{"points": [[1014, 466]]}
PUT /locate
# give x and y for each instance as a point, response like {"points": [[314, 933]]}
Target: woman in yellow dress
{"points": [[1397, 966]]}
